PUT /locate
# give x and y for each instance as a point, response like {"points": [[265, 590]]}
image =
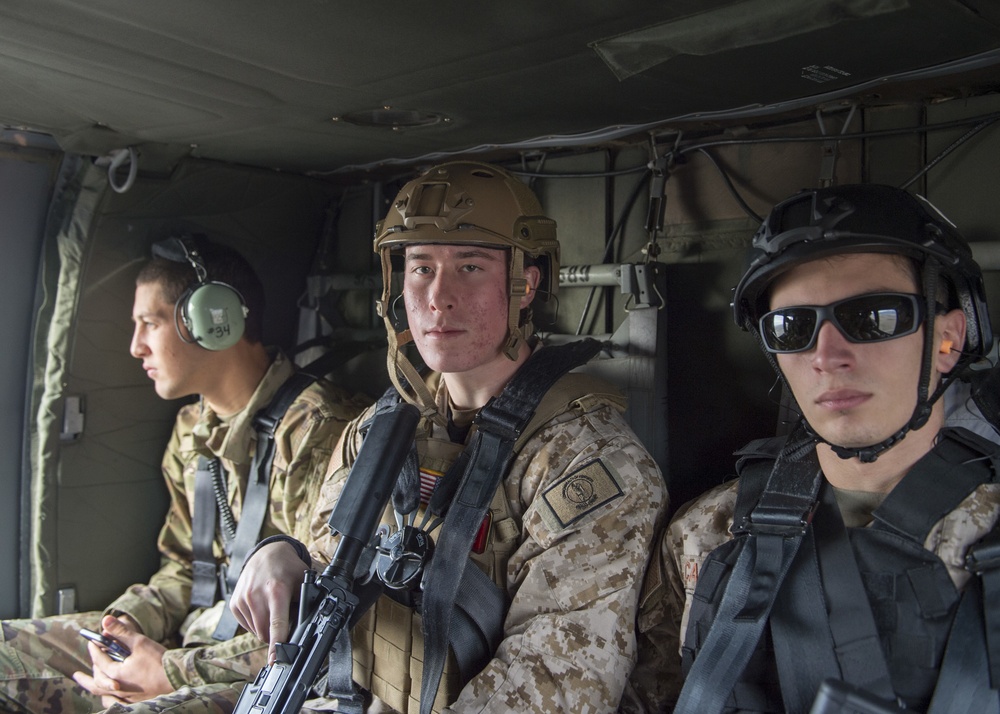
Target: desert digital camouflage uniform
{"points": [[38, 657], [703, 524], [572, 566]]}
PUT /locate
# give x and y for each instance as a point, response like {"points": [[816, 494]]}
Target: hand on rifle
{"points": [[267, 587]]}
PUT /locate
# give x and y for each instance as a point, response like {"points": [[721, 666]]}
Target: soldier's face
{"points": [[456, 304], [169, 361], [851, 394]]}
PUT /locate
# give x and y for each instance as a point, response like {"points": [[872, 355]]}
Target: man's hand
{"points": [[263, 596], [141, 676]]}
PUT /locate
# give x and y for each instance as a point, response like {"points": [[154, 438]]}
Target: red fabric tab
{"points": [[428, 480]]}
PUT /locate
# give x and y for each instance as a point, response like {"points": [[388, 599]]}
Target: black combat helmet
{"points": [[869, 218]]}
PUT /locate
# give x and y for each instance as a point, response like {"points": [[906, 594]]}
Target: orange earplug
{"points": [[945, 347]]}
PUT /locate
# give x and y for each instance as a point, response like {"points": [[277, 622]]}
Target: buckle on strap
{"points": [[984, 556], [779, 514], [493, 418]]}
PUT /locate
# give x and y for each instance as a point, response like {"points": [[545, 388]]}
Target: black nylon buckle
{"points": [[267, 424], [494, 420], [779, 514], [984, 556]]}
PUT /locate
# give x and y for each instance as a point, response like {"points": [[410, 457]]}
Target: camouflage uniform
{"points": [[37, 657], [702, 525], [572, 571]]}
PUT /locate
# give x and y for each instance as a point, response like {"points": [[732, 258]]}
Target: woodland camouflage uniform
{"points": [[38, 657], [572, 567]]}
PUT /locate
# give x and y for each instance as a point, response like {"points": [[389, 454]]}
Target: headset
{"points": [[213, 313]]}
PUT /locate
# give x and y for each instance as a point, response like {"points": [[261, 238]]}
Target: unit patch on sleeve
{"points": [[573, 497]]}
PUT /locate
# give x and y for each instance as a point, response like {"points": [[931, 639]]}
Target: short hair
{"points": [[222, 265]]}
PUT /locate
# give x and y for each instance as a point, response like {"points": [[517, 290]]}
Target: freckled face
{"points": [[456, 303]]}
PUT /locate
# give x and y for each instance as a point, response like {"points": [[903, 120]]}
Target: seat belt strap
{"points": [[205, 583], [984, 560], [824, 627], [477, 621], [255, 504], [257, 497], [340, 676], [923, 498], [499, 423], [858, 645], [773, 533], [963, 683]]}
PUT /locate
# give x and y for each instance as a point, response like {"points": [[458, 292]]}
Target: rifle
{"points": [[327, 601]]}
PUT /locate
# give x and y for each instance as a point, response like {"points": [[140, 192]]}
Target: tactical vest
{"points": [[387, 642], [912, 597]]}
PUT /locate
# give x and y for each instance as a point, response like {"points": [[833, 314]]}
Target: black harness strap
{"points": [[499, 424], [212, 580], [963, 684], [477, 621], [772, 534], [826, 628], [924, 497], [205, 571]]}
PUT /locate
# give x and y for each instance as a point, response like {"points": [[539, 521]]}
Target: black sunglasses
{"points": [[864, 318]]}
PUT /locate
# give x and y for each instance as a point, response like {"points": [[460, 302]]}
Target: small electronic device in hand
{"points": [[115, 649]]}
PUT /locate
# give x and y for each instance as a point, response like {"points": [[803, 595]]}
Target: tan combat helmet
{"points": [[466, 203]]}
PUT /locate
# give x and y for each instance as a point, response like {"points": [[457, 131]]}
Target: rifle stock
{"points": [[327, 600]]}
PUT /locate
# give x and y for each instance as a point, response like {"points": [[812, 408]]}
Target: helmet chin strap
{"points": [[868, 454], [922, 411]]}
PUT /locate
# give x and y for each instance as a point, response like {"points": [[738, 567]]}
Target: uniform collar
{"points": [[234, 438]]}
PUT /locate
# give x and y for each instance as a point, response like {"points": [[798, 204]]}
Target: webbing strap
{"points": [[730, 640], [247, 533], [477, 622], [340, 676], [255, 501], [772, 535], [963, 684], [797, 640], [924, 497], [824, 626], [857, 643], [205, 585], [499, 424]]}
